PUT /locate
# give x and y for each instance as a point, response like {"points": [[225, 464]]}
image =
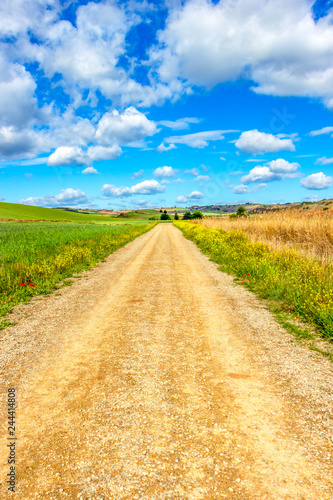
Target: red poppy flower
{"points": [[248, 274], [30, 284], [22, 284], [10, 299]]}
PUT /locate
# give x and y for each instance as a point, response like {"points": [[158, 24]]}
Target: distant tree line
{"points": [[187, 215]]}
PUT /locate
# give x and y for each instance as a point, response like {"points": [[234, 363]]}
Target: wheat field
{"points": [[310, 233]]}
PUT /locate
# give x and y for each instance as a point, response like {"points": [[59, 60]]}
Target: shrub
{"points": [[165, 216], [197, 215]]}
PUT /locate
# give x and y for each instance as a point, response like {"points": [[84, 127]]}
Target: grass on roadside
{"points": [[310, 232], [296, 283], [36, 257]]}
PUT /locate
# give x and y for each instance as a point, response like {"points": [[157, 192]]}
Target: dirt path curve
{"points": [[155, 377]]}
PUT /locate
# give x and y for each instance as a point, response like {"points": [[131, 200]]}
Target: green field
{"points": [[13, 211], [36, 257]]}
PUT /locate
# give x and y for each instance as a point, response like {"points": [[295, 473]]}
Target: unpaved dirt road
{"points": [[155, 377]]}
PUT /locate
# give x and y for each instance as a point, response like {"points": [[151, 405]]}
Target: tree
{"points": [[187, 216], [165, 212], [241, 212], [161, 210], [165, 216], [176, 216], [197, 214]]}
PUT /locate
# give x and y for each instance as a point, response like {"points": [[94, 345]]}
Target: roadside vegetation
{"points": [[263, 253], [310, 233], [193, 215], [36, 257]]}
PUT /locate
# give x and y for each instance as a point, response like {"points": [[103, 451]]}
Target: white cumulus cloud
{"points": [[89, 170], [195, 195], [68, 155], [243, 188], [76, 156], [161, 172], [255, 142], [124, 128], [67, 197], [275, 44], [317, 181], [162, 147], [273, 171], [145, 187]]}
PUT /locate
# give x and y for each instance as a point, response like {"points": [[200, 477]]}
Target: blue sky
{"points": [[119, 105]]}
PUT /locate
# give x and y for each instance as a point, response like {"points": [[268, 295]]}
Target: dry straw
{"points": [[310, 233]]}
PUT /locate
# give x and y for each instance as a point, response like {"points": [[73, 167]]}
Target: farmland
{"points": [[17, 212], [273, 257], [37, 256], [308, 232]]}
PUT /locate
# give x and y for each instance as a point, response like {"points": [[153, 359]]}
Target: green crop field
{"points": [[13, 211], [36, 257]]}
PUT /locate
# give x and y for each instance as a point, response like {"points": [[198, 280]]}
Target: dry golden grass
{"points": [[310, 233]]}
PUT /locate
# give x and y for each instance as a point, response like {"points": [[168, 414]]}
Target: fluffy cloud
{"points": [[259, 173], [89, 170], [324, 130], [242, 188], [67, 197], [277, 45], [161, 172], [20, 143], [281, 166], [195, 195], [99, 153], [18, 105], [317, 181], [199, 139], [68, 155], [256, 142], [130, 126], [324, 161], [144, 187], [75, 156], [162, 147], [20, 16], [273, 171]]}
